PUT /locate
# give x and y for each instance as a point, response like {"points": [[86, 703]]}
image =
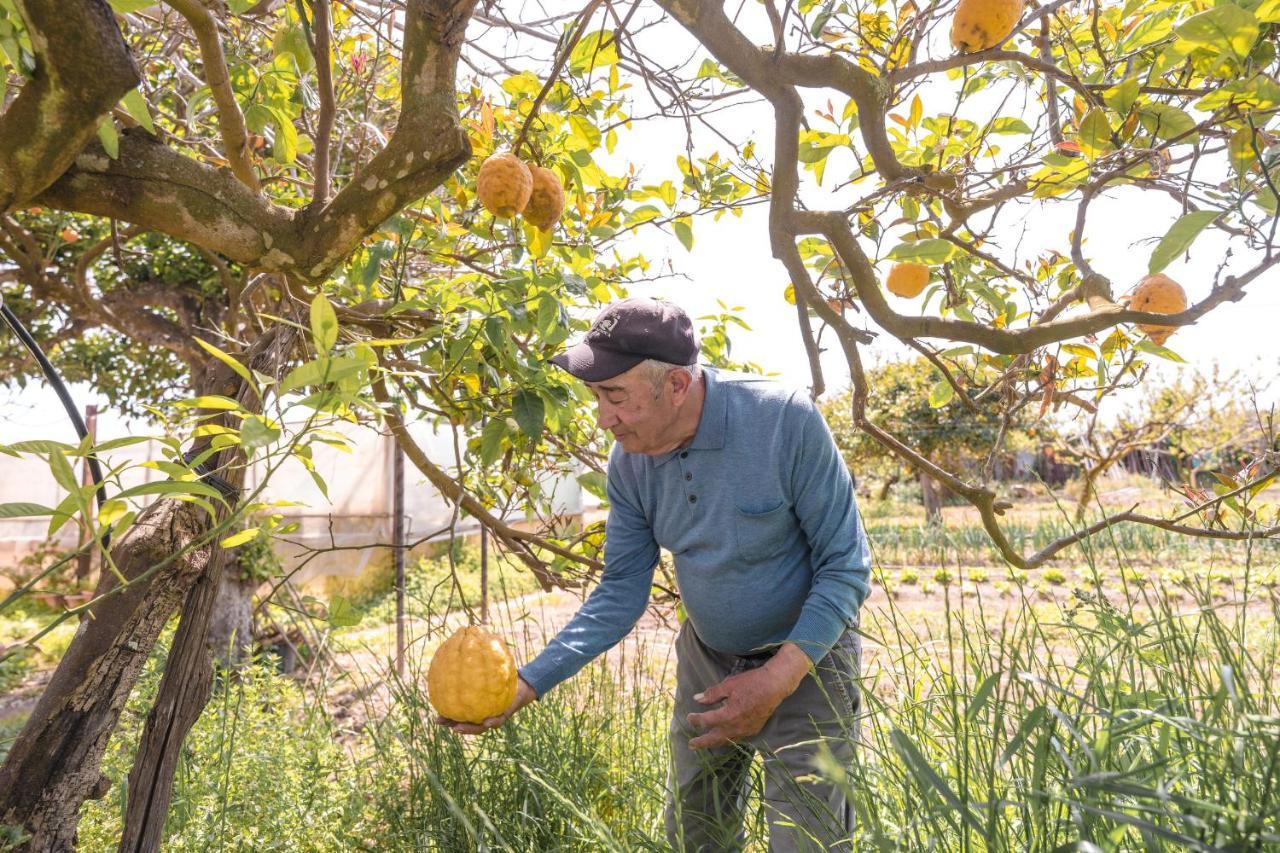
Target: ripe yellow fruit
{"points": [[472, 677], [1162, 295], [907, 279], [504, 185], [980, 24], [546, 202]]}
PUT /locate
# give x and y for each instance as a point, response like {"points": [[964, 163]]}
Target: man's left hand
{"points": [[750, 698]]}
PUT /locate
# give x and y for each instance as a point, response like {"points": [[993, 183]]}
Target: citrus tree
{"points": [[955, 124], [316, 166], [254, 220]]}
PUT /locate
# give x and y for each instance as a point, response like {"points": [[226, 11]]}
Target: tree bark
{"points": [[231, 624], [931, 497], [54, 764], [83, 68], [184, 691], [887, 486]]}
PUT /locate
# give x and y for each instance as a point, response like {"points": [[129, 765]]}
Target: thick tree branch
{"points": [[323, 51], [428, 144], [235, 139], [1008, 341], [83, 68]]}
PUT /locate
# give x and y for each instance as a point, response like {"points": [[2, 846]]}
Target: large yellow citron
{"points": [[907, 279], [546, 202], [472, 677], [504, 185], [1158, 294], [980, 24]]}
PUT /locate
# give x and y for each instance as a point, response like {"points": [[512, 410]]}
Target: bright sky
{"points": [[731, 262]]}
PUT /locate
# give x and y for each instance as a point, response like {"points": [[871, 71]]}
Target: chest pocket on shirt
{"points": [[762, 534]]}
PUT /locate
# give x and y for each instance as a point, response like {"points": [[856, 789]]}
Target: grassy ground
{"points": [[1124, 698]]}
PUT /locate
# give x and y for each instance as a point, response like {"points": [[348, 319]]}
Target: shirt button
{"points": [[693, 499], [684, 454], [688, 476]]}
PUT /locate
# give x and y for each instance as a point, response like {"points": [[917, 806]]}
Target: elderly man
{"points": [[740, 480]]}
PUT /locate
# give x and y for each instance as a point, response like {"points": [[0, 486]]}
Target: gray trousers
{"points": [[707, 788]]}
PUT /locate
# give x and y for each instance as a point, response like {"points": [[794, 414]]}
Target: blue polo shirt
{"points": [[758, 512]]}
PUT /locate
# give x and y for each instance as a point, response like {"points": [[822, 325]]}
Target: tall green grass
{"points": [[1123, 720], [914, 544]]}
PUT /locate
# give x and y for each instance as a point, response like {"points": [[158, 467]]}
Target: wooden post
{"points": [[397, 536], [84, 563], [484, 574], [484, 559]]}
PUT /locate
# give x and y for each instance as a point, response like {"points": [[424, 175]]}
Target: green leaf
{"points": [[39, 445], [1224, 29], [292, 42], [240, 538], [255, 432], [530, 412], [171, 487], [1168, 122], [929, 251], [62, 471], [342, 613], [23, 509], [594, 50], [594, 482], [126, 7], [109, 137], [209, 401], [1258, 92], [112, 511], [64, 513], [940, 394], [538, 240], [125, 441], [136, 105], [1121, 98], [926, 777], [321, 371], [236, 367], [491, 440], [320, 483], [1159, 352], [1009, 125], [684, 232], [324, 324], [982, 694], [584, 132], [1095, 133], [1179, 238], [284, 143]]}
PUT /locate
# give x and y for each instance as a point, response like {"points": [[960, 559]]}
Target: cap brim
{"points": [[592, 364]]}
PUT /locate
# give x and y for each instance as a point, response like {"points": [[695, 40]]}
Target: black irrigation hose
{"points": [[56, 381]]}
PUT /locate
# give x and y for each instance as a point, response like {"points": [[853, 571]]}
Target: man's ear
{"points": [[681, 384]]}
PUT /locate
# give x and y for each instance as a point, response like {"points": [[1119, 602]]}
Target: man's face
{"points": [[626, 405]]}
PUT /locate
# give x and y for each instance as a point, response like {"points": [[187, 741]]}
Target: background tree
{"points": [[910, 397]]}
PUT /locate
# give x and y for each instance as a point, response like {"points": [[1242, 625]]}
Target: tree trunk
{"points": [[54, 764], [1087, 489], [184, 691], [931, 497], [231, 624], [886, 486]]}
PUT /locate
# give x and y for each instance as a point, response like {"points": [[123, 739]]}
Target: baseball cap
{"points": [[628, 332]]}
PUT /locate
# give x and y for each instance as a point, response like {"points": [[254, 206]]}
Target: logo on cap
{"points": [[604, 326]]}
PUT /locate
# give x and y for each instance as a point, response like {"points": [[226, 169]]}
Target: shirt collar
{"points": [[712, 424]]}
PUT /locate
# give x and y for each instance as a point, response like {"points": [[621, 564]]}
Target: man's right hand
{"points": [[524, 695]]}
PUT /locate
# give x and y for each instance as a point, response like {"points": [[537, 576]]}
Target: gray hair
{"points": [[656, 371]]}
